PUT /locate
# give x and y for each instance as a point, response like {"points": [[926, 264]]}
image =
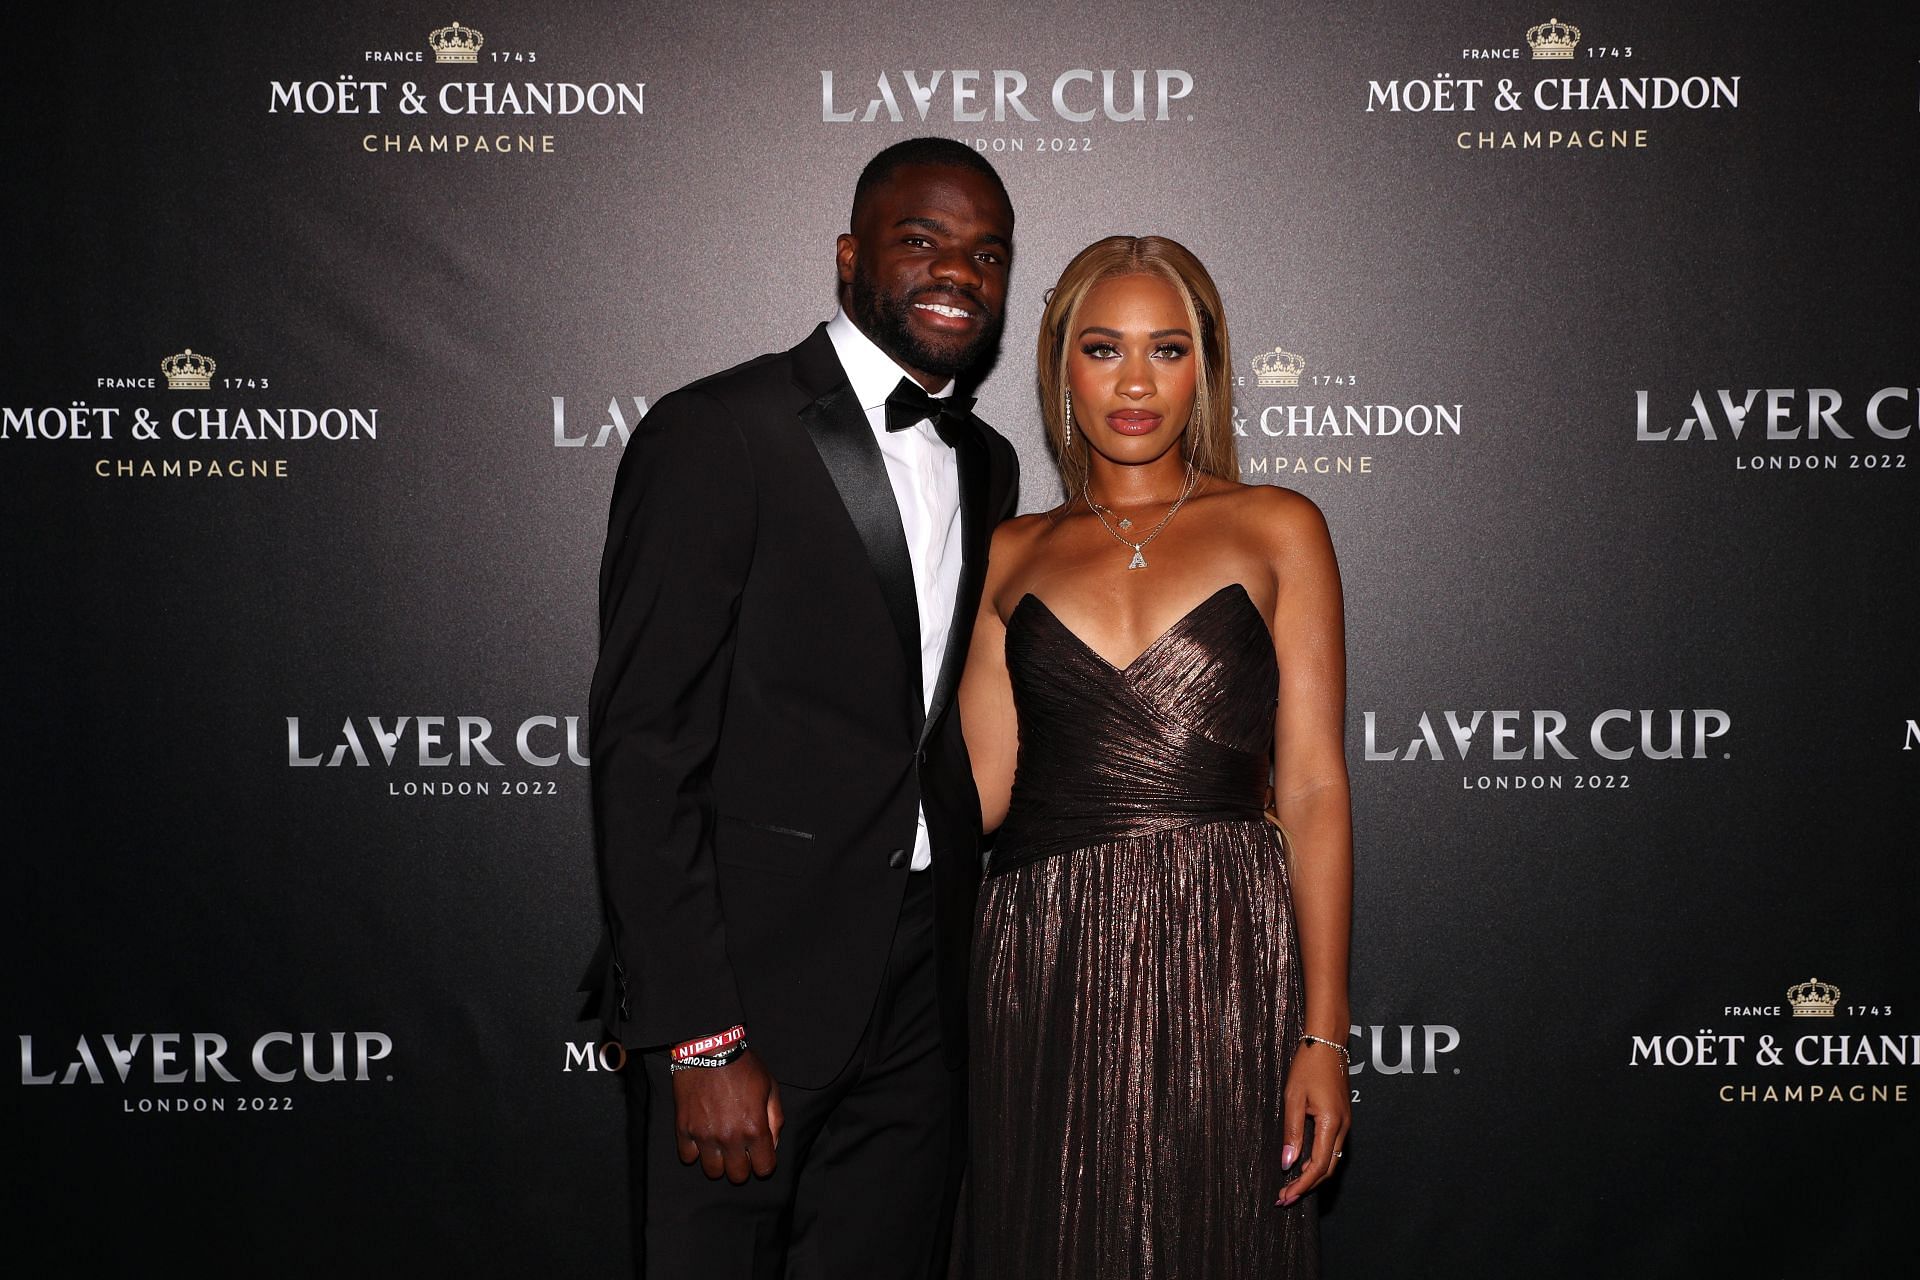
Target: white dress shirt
{"points": [[925, 477]]}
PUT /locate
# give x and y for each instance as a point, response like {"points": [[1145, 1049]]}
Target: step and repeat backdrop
{"points": [[1591, 328]]}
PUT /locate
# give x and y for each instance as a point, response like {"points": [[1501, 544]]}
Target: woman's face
{"points": [[1133, 368]]}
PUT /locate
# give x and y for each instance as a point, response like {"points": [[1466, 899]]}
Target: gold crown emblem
{"points": [[455, 43], [1279, 368], [188, 372], [1553, 39], [1813, 998]]}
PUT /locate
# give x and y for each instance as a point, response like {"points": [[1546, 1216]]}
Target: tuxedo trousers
{"points": [[868, 1169]]}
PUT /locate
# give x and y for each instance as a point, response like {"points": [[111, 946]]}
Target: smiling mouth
{"points": [[941, 309]]}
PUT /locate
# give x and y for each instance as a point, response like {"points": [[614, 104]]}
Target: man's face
{"points": [[924, 270]]}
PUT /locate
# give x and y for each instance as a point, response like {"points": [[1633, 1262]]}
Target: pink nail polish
{"points": [[1287, 1153]]}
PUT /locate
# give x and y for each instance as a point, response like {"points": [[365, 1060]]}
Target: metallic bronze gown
{"points": [[1136, 989]]}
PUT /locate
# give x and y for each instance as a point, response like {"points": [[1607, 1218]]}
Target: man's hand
{"points": [[728, 1118]]}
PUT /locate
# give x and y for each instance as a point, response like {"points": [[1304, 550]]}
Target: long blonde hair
{"points": [[1210, 428]]}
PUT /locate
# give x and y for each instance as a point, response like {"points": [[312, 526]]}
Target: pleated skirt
{"points": [[1134, 1006]]}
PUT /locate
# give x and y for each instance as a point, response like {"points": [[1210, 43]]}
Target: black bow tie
{"points": [[910, 403]]}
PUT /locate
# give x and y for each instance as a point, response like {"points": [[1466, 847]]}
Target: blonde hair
{"points": [[1210, 428]]}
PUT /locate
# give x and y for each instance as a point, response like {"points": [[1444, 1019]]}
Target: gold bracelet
{"points": [[1346, 1060]]}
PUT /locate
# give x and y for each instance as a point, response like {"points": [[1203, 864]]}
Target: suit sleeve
{"points": [[680, 542], [1010, 462]]}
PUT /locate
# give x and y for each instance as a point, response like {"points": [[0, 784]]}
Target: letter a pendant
{"points": [[1139, 560]]}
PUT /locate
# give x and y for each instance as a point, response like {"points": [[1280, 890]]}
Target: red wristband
{"points": [[708, 1045]]}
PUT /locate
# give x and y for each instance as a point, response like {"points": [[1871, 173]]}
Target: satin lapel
{"points": [[846, 445], [975, 537]]}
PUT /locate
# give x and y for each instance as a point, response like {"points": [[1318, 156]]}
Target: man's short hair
{"points": [[922, 151]]}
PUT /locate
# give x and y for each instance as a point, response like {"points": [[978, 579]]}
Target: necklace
{"points": [[1100, 513], [1123, 522]]}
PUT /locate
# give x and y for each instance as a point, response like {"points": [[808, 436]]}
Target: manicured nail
{"points": [[1287, 1153]]}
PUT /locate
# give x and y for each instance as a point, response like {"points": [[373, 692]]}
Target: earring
{"points": [[1066, 416]]}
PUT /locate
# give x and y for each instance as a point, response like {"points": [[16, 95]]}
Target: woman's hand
{"points": [[1317, 1087]]}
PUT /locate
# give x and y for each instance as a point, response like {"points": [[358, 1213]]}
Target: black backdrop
{"points": [[1571, 974]]}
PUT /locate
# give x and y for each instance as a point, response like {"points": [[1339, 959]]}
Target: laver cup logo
{"points": [[1005, 111], [168, 1072], [615, 426], [424, 741], [1549, 750], [1616, 734], [1797, 429], [1407, 1049], [1380, 1053], [1076, 96], [421, 749]]}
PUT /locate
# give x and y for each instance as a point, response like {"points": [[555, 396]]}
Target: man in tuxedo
{"points": [[785, 819]]}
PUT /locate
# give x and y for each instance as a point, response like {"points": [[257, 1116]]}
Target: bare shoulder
{"points": [[1013, 542], [1015, 535], [1282, 521], [1016, 530]]}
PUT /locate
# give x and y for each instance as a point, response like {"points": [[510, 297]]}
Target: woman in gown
{"points": [[1159, 992]]}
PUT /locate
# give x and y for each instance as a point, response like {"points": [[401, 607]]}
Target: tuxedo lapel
{"points": [[844, 440], [975, 537]]}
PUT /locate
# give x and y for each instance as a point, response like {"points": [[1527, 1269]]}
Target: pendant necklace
{"points": [[1100, 513]]}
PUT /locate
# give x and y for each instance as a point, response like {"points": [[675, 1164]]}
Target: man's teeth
{"points": [[937, 309]]}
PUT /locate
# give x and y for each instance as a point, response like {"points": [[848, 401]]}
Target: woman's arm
{"points": [[1311, 801], [987, 717]]}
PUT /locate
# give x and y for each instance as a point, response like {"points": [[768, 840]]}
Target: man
{"points": [[785, 817]]}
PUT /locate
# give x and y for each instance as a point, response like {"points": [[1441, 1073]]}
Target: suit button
{"points": [[897, 859], [923, 757]]}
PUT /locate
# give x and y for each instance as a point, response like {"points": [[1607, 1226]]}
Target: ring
{"points": [[1338, 1154]]}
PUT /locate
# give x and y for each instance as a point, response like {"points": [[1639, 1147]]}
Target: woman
{"points": [[1160, 984]]}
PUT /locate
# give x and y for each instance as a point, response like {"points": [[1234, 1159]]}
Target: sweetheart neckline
{"points": [[1153, 644]]}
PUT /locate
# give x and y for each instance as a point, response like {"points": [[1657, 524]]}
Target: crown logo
{"points": [[1813, 998], [188, 372], [1279, 368], [1553, 39], [455, 43]]}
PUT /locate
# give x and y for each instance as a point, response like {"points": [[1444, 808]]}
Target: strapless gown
{"points": [[1136, 986]]}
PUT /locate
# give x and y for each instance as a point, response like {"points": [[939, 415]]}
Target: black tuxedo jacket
{"points": [[758, 736]]}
